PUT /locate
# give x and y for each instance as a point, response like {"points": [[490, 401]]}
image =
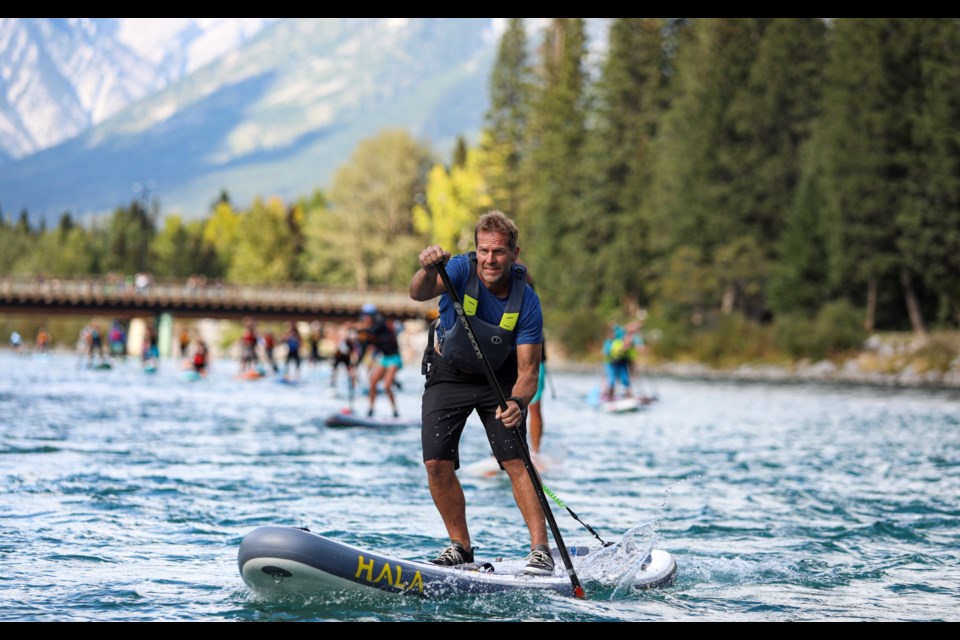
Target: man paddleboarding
{"points": [[508, 320]]}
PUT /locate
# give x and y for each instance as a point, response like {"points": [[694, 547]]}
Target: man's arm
{"points": [[427, 283], [528, 374]]}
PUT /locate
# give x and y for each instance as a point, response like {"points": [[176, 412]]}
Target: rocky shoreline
{"points": [[823, 371], [849, 372]]}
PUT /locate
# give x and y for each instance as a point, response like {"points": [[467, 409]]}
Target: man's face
{"points": [[494, 259]]}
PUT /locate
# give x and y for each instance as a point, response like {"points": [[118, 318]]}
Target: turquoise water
{"points": [[126, 496]]}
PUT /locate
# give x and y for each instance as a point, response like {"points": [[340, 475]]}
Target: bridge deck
{"points": [[121, 299]]}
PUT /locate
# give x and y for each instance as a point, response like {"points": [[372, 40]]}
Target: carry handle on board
{"points": [[521, 445]]}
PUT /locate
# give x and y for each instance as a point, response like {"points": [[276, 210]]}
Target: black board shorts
{"points": [[450, 396]]}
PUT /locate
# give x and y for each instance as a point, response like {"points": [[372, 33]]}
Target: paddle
{"points": [[553, 390], [521, 445]]}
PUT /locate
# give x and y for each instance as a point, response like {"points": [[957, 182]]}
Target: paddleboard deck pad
{"points": [[350, 419], [278, 561]]}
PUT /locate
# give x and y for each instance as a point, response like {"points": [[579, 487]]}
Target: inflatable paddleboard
{"points": [[279, 561], [347, 418]]}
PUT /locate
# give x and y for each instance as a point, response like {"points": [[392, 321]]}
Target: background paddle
{"points": [[521, 445]]}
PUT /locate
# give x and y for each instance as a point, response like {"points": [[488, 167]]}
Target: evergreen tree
{"points": [[295, 218], [460, 153], [871, 88], [11, 248], [62, 252], [66, 223], [505, 123], [772, 119], [930, 220], [179, 250], [128, 237], [618, 158], [168, 249], [799, 283], [698, 170], [558, 227]]}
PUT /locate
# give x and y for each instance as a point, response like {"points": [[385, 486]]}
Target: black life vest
{"points": [[382, 337], [496, 340]]}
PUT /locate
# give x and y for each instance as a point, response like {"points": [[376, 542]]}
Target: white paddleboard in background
{"points": [[621, 405], [489, 467]]}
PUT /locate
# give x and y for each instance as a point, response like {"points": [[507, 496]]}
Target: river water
{"points": [[126, 496]]}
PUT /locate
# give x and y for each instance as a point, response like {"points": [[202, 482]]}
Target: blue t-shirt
{"points": [[490, 308]]}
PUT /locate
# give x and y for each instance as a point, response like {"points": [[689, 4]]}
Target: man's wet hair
{"points": [[497, 222]]}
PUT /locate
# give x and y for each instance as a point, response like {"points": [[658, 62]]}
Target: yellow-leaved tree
{"points": [[454, 199]]}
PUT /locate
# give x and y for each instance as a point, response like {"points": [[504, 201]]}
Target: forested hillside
{"points": [[748, 185]]}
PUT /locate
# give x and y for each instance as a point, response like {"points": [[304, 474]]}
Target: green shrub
{"points": [[838, 328], [667, 340], [937, 354], [734, 340], [579, 331], [793, 335]]}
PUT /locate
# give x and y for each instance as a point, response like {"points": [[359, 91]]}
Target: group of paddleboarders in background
{"points": [[100, 350], [371, 338], [258, 349]]}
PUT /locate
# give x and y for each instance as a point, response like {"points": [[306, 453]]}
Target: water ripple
{"points": [[127, 497]]}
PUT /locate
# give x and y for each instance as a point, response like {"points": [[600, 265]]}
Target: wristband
{"points": [[520, 403]]}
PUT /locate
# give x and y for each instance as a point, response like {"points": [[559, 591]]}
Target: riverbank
{"points": [[892, 360]]}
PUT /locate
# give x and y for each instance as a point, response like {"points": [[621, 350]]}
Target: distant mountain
{"points": [[60, 76], [262, 109]]}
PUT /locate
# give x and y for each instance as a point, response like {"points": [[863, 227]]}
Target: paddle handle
{"points": [[521, 445]]}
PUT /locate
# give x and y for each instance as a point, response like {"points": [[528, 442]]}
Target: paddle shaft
{"points": [[521, 445]]}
